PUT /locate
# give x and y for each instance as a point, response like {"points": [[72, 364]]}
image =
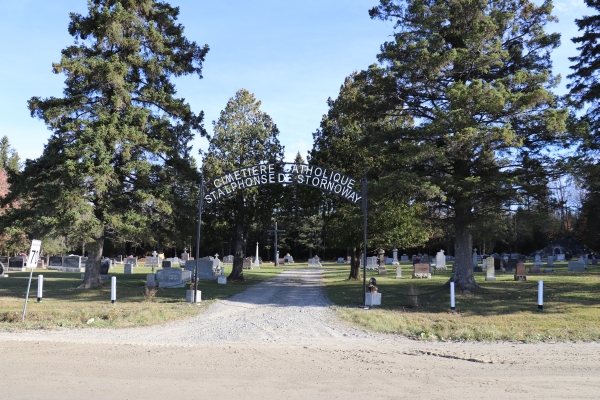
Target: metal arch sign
{"points": [[325, 179], [322, 178]]}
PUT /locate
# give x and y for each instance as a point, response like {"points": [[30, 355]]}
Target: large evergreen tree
{"points": [[120, 138], [475, 77], [243, 136], [585, 91], [395, 219]]}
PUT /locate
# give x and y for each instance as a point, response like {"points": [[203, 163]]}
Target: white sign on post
{"points": [[34, 253]]}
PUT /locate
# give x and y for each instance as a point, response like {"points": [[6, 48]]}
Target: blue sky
{"points": [[292, 55]]}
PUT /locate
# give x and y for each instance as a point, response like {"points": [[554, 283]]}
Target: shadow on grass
{"points": [[563, 290]]}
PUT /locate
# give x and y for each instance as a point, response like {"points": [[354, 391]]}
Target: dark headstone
{"points": [[16, 262], [84, 261], [72, 262], [119, 258], [167, 264], [4, 260], [511, 265], [497, 264], [55, 261], [104, 267], [477, 269]]}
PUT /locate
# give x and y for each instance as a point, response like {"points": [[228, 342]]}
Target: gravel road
{"points": [[280, 339]]}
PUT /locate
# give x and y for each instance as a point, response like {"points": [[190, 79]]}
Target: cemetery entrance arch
{"points": [[322, 178]]}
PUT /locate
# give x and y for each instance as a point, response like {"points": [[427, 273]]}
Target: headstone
{"points": [[128, 269], [190, 265], [185, 256], [537, 260], [222, 280], [4, 260], [511, 265], [497, 264], [207, 269], [550, 261], [340, 260], [490, 273], [314, 262], [535, 269], [16, 264], [150, 279], [120, 258], [576, 266], [132, 261], [40, 263], [475, 258], [477, 269], [483, 263], [560, 258], [372, 263], [404, 257], [288, 259], [422, 271], [151, 261], [389, 260], [440, 260], [170, 278], [55, 261], [226, 260], [395, 257], [71, 264], [372, 299], [174, 260], [382, 270], [520, 272], [104, 267], [348, 260], [398, 272], [189, 296], [247, 263], [84, 261], [167, 264]]}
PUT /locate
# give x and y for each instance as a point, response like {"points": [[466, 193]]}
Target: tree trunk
{"points": [[237, 271], [462, 273], [91, 278], [354, 265]]}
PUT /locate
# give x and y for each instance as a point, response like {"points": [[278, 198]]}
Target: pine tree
{"points": [[243, 136], [120, 138], [475, 77]]}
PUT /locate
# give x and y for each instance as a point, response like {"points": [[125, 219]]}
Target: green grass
{"points": [[498, 310], [64, 305]]}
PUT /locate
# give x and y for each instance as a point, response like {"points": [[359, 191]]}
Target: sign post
{"points": [[32, 260]]}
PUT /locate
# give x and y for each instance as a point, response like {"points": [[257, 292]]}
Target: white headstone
{"points": [[398, 272], [314, 262], [395, 257], [257, 260], [490, 271], [475, 264], [440, 260], [560, 257]]}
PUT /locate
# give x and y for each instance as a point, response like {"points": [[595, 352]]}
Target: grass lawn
{"points": [[498, 310], [65, 306]]}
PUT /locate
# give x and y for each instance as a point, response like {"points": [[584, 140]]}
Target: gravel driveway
{"points": [[280, 339]]}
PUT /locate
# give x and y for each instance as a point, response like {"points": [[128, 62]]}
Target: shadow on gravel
{"points": [[294, 288]]}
